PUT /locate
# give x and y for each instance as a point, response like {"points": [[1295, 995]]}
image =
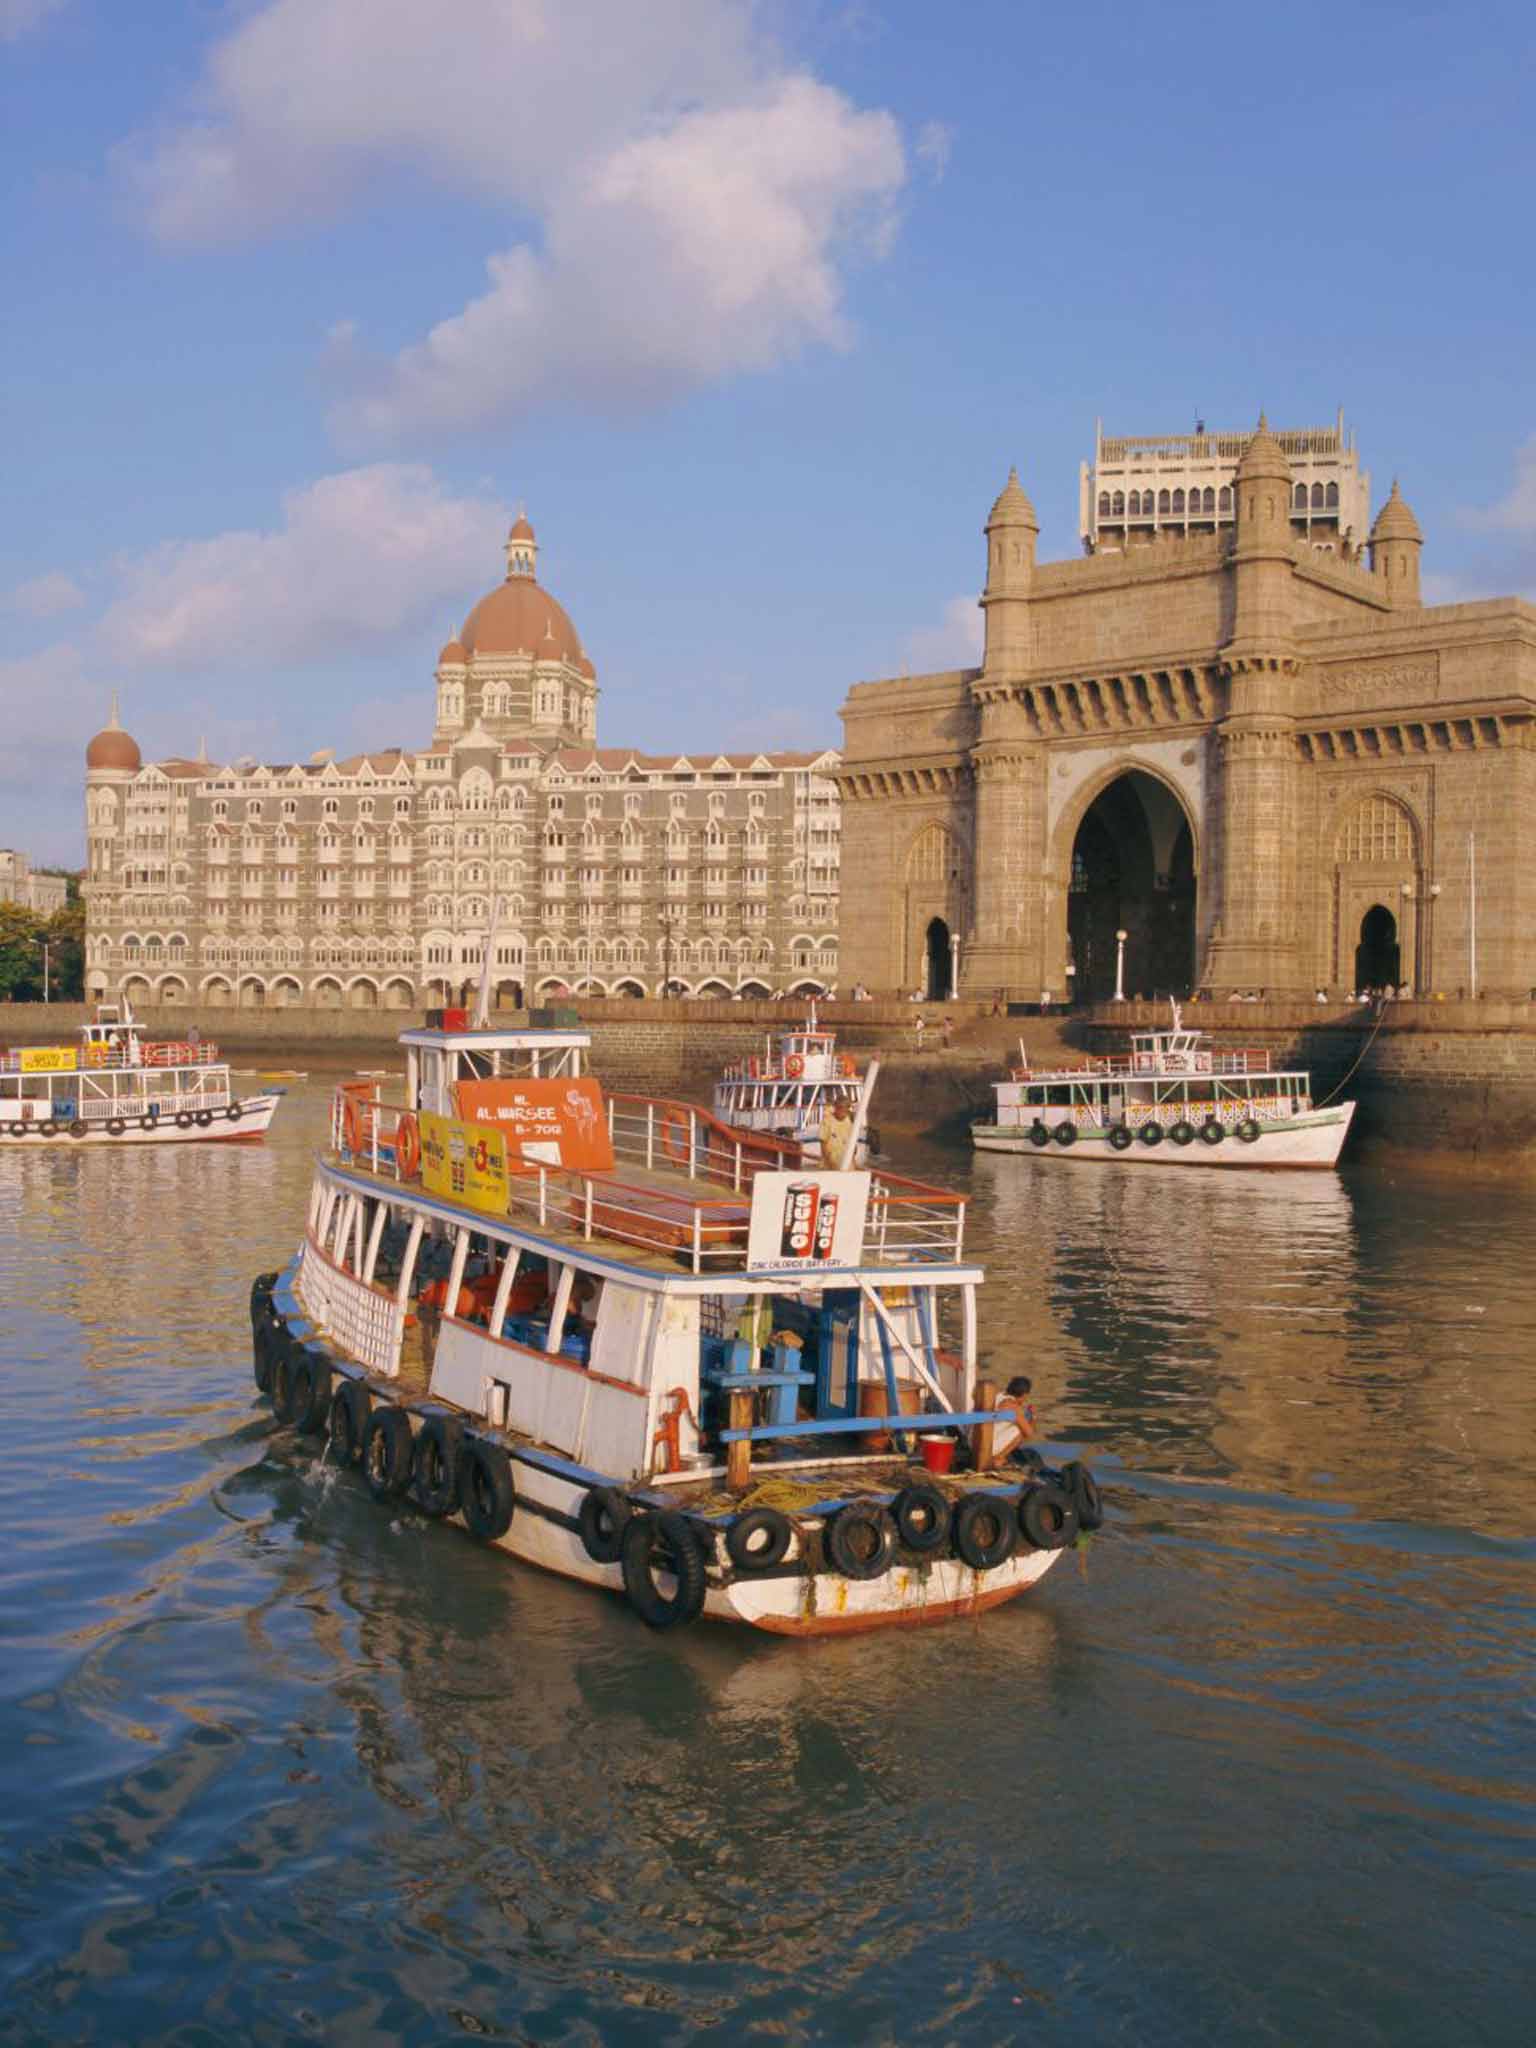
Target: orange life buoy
{"points": [[407, 1147], [352, 1125], [674, 1137], [794, 1066]]}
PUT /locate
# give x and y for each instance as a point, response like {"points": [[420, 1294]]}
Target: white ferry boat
{"points": [[622, 1341], [119, 1088], [801, 1087], [1171, 1100]]}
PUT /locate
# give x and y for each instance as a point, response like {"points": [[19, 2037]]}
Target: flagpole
{"points": [[1472, 912]]}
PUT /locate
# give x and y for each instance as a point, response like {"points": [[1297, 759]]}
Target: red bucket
{"points": [[938, 1452]]}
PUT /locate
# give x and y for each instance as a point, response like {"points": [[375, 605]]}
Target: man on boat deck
{"points": [[1015, 1418], [836, 1131]]}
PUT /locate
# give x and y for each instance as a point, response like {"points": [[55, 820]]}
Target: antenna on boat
{"points": [[483, 1000]]}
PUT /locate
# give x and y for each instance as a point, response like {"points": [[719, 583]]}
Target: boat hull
{"points": [[257, 1112], [1311, 1141]]}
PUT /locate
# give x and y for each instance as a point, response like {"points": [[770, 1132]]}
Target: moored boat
{"points": [[1172, 1100], [801, 1087], [118, 1087], [640, 1348]]}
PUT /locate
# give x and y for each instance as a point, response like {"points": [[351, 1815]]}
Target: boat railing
{"points": [[821, 1066], [117, 1058], [1247, 1060], [907, 1221]]}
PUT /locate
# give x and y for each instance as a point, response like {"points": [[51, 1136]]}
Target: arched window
{"points": [[1377, 832], [1178, 501], [1317, 497], [1162, 501], [1209, 500], [1103, 504], [1331, 497], [1119, 504], [1299, 498], [1225, 500]]}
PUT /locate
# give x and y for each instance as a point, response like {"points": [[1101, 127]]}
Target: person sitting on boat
{"points": [[1015, 1425], [836, 1131]]}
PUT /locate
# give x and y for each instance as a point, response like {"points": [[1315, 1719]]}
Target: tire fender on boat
{"points": [[759, 1539], [309, 1380], [1183, 1132], [387, 1452], [986, 1531], [351, 1405], [1122, 1137], [487, 1493], [79, 1127], [435, 1471], [1152, 1132], [116, 1126], [184, 1119], [600, 1520], [1065, 1134], [1047, 1517], [1038, 1134], [234, 1112], [664, 1543], [280, 1384], [921, 1515], [1248, 1130], [1080, 1486], [861, 1541]]}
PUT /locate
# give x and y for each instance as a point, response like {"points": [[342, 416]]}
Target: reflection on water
{"points": [[1255, 1765]]}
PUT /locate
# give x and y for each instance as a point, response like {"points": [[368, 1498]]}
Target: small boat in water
{"points": [[119, 1088], [653, 1353], [801, 1087], [1171, 1100]]}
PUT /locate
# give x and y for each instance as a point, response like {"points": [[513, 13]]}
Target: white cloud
{"points": [[44, 597], [954, 643], [20, 17], [935, 144], [685, 199], [1515, 513], [358, 556]]}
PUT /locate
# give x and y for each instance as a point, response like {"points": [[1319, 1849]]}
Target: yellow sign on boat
{"points": [[464, 1162], [47, 1059]]}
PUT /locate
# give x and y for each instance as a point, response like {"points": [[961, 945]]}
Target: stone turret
{"points": [[1396, 544], [1262, 553], [1012, 531]]}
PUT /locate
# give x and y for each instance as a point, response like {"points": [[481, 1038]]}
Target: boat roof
{"points": [[494, 1039]]}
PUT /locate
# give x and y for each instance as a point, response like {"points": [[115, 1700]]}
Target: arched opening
{"points": [[940, 962], [1378, 957], [1133, 871]]}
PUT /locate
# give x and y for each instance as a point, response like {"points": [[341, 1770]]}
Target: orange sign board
{"points": [[545, 1122]]}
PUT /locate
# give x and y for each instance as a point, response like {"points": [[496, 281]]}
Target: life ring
{"points": [[759, 1539], [435, 1471], [1212, 1131], [861, 1541], [79, 1128], [203, 1119], [1152, 1132], [921, 1515], [1047, 1517], [183, 1119], [309, 1396], [234, 1112], [1079, 1484], [664, 1543], [1248, 1130], [1183, 1132], [350, 1409], [487, 1495], [986, 1531], [1065, 1134], [407, 1147], [674, 1136], [1038, 1134], [794, 1066], [1122, 1137], [387, 1453], [600, 1522], [352, 1125], [115, 1126]]}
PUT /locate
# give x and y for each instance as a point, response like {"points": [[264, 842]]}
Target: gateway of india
{"points": [[368, 883], [1228, 750]]}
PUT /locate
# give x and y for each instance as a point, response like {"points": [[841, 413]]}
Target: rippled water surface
{"points": [[1259, 1765]]}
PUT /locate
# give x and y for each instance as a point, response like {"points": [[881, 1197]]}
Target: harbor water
{"points": [[1257, 1764]]}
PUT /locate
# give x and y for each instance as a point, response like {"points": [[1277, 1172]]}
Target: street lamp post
{"points": [[44, 943], [1120, 939]]}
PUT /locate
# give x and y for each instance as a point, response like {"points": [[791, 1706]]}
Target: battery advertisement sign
{"points": [[804, 1221]]}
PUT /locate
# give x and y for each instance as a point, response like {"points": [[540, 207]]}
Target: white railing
{"points": [[364, 1322]]}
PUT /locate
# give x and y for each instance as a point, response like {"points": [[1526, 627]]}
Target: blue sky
{"points": [[753, 306]]}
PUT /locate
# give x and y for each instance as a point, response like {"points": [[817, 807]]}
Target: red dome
{"points": [[452, 654], [520, 618], [113, 748]]}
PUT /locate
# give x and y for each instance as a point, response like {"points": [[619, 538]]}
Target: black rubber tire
{"points": [[921, 1515], [759, 1539], [1212, 1131], [79, 1128], [1151, 1132], [115, 1126], [1065, 1134], [234, 1112], [1248, 1130], [148, 1122], [281, 1384], [184, 1119], [310, 1381], [601, 1520], [665, 1540], [974, 1545], [1047, 1517], [1082, 1489], [861, 1541], [435, 1473], [1122, 1137], [351, 1405], [1038, 1134], [264, 1341], [487, 1491], [19, 1129], [261, 1297], [48, 1128], [1027, 1456], [203, 1119], [387, 1452], [1183, 1132]]}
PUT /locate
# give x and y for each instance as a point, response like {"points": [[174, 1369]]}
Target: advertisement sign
{"points": [[545, 1122], [802, 1221], [48, 1059], [464, 1162]]}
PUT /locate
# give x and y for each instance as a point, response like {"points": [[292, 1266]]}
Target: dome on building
{"points": [[521, 530], [1263, 456], [1012, 507], [452, 655], [113, 748], [520, 618], [1395, 521]]}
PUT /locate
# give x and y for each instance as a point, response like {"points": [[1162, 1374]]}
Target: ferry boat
{"points": [[652, 1353], [119, 1088], [1170, 1100], [801, 1087]]}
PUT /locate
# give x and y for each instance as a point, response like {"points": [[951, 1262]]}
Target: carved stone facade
{"points": [[1237, 760], [369, 882]]}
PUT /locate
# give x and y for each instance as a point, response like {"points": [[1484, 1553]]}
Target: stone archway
{"points": [[938, 982], [1378, 956], [936, 890], [1132, 871]]}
